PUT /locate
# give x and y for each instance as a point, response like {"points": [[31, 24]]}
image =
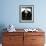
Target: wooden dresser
{"points": [[23, 38]]}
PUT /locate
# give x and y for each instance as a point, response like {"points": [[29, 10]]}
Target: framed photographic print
{"points": [[26, 13]]}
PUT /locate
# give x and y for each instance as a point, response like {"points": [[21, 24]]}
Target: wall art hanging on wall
{"points": [[26, 13]]}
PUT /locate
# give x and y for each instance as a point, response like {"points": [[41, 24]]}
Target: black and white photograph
{"points": [[26, 13]]}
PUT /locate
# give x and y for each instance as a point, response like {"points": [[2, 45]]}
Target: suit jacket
{"points": [[26, 16]]}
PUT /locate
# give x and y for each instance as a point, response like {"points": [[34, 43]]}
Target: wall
{"points": [[9, 13]]}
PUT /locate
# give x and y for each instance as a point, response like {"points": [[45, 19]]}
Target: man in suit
{"points": [[26, 15]]}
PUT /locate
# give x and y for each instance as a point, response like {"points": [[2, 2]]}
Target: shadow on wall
{"points": [[2, 26]]}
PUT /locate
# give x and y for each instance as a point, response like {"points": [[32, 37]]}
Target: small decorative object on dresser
{"points": [[11, 28], [22, 38], [31, 30]]}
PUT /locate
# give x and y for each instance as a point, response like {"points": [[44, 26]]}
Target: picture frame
{"points": [[26, 13]]}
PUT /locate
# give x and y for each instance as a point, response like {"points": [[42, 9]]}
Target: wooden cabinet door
{"points": [[27, 40], [13, 40]]}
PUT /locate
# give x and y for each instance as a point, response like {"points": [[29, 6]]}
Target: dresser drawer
{"points": [[37, 39], [37, 44], [34, 33], [13, 44], [13, 33], [12, 39]]}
